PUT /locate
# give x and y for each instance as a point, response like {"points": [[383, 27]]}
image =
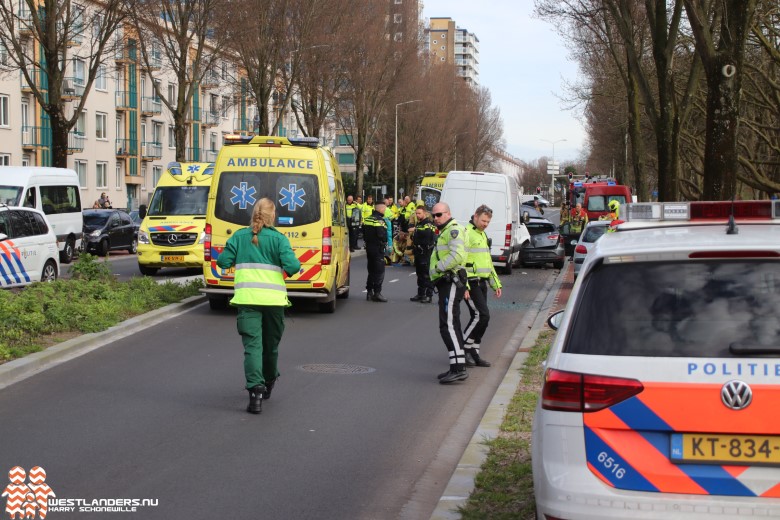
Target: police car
{"points": [[28, 248], [662, 385]]}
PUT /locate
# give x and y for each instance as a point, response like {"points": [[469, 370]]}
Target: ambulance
{"points": [[172, 232], [429, 190], [304, 181]]}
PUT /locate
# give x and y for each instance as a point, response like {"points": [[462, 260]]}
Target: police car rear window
{"points": [[593, 233], [296, 195], [712, 308]]}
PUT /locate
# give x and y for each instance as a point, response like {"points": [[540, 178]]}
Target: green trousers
{"points": [[261, 329]]}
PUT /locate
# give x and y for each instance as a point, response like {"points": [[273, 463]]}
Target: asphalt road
{"points": [[160, 415]]}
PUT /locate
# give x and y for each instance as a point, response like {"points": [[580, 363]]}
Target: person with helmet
{"points": [[613, 216], [261, 255], [448, 273], [481, 273]]}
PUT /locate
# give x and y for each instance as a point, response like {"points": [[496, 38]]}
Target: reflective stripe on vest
{"points": [[259, 284]]}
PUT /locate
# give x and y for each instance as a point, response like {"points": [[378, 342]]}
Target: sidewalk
{"points": [[461, 483]]}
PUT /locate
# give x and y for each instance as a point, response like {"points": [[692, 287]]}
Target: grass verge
{"points": [[504, 487], [92, 301]]}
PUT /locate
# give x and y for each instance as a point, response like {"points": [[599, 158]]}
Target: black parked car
{"points": [[546, 244], [108, 230]]}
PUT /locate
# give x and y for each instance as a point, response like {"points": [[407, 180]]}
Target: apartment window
{"points": [[345, 140], [214, 104], [155, 91], [156, 174], [81, 124], [101, 174], [397, 18], [3, 54], [398, 36], [4, 110], [157, 130], [79, 72], [118, 175], [172, 93], [81, 169], [213, 141], [143, 177], [101, 83], [225, 105], [25, 160], [101, 129], [224, 70], [346, 158], [399, 1], [171, 137], [5, 159], [97, 25]]}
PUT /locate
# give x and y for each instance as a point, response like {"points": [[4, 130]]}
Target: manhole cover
{"points": [[334, 368]]}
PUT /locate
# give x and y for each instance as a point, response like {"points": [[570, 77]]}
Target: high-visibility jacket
{"points": [[449, 255], [350, 209], [578, 220], [366, 210], [259, 278], [479, 264], [409, 210]]}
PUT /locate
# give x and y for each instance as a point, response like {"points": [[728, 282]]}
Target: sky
{"points": [[523, 62]]}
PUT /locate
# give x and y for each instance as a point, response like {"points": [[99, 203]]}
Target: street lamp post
{"points": [[552, 180], [395, 187]]}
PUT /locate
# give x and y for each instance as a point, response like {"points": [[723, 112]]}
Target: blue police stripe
{"points": [[11, 268], [712, 478], [22, 270], [632, 479], [3, 273]]}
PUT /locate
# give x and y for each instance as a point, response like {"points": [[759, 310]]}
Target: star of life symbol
{"points": [[27, 500], [292, 197], [243, 195], [193, 168]]}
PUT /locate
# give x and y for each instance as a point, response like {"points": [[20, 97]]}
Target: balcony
{"points": [[36, 75], [25, 23], [242, 125], [126, 148], [72, 88], [151, 151], [34, 137], [76, 142], [210, 80], [192, 155], [193, 115], [73, 35], [211, 118], [155, 61], [126, 100], [151, 106], [124, 55]]}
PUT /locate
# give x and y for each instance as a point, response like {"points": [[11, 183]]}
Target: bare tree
{"points": [[188, 37], [46, 40]]}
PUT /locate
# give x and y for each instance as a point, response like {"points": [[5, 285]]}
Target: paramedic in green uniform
{"points": [[260, 255]]}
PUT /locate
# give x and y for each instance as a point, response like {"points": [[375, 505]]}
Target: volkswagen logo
{"points": [[173, 238], [736, 395]]}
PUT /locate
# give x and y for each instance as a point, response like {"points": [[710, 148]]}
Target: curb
{"points": [[19, 369], [461, 484]]}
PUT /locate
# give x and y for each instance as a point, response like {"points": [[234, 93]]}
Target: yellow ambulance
{"points": [[303, 179], [173, 228]]}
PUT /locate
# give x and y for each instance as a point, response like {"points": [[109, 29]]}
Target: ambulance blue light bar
{"points": [[311, 142], [754, 210], [174, 168], [209, 169]]}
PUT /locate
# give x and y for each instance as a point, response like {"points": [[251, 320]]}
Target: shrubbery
{"points": [[91, 301]]}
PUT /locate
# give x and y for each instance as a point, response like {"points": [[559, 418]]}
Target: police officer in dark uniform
{"points": [[424, 240], [375, 238]]}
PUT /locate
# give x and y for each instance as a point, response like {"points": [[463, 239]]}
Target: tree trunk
{"points": [[59, 138], [180, 135], [635, 136]]}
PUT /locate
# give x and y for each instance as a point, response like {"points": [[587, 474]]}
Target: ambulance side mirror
{"points": [[142, 211]]}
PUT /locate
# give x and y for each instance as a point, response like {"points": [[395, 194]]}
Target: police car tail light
{"points": [[327, 246], [581, 249], [574, 392], [207, 243], [508, 236]]}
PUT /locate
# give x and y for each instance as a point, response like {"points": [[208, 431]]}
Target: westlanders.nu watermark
{"points": [[100, 505]]}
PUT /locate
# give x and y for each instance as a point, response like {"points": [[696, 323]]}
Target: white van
{"points": [[465, 191], [54, 191]]}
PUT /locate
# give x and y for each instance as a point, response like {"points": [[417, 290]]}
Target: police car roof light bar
{"points": [[750, 210]]}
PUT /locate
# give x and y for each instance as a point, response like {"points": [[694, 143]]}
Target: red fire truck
{"points": [[595, 193]]}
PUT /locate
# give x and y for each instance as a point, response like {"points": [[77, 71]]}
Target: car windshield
{"points": [[430, 196], [709, 308], [593, 233], [9, 195], [96, 220], [179, 200], [600, 202], [297, 197]]}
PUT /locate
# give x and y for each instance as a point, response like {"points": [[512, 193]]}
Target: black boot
{"points": [[473, 359], [425, 299], [417, 298], [269, 385], [369, 294], [456, 373], [255, 405], [377, 297]]}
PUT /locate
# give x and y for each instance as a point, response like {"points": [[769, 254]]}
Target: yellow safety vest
{"points": [[479, 263]]}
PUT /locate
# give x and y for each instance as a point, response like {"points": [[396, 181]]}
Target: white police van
{"points": [[661, 387], [28, 248]]}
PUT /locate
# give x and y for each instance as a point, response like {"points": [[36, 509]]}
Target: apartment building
{"points": [[446, 43], [124, 137]]}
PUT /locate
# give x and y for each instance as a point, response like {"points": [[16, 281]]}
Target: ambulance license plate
{"points": [[725, 449], [172, 258]]}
